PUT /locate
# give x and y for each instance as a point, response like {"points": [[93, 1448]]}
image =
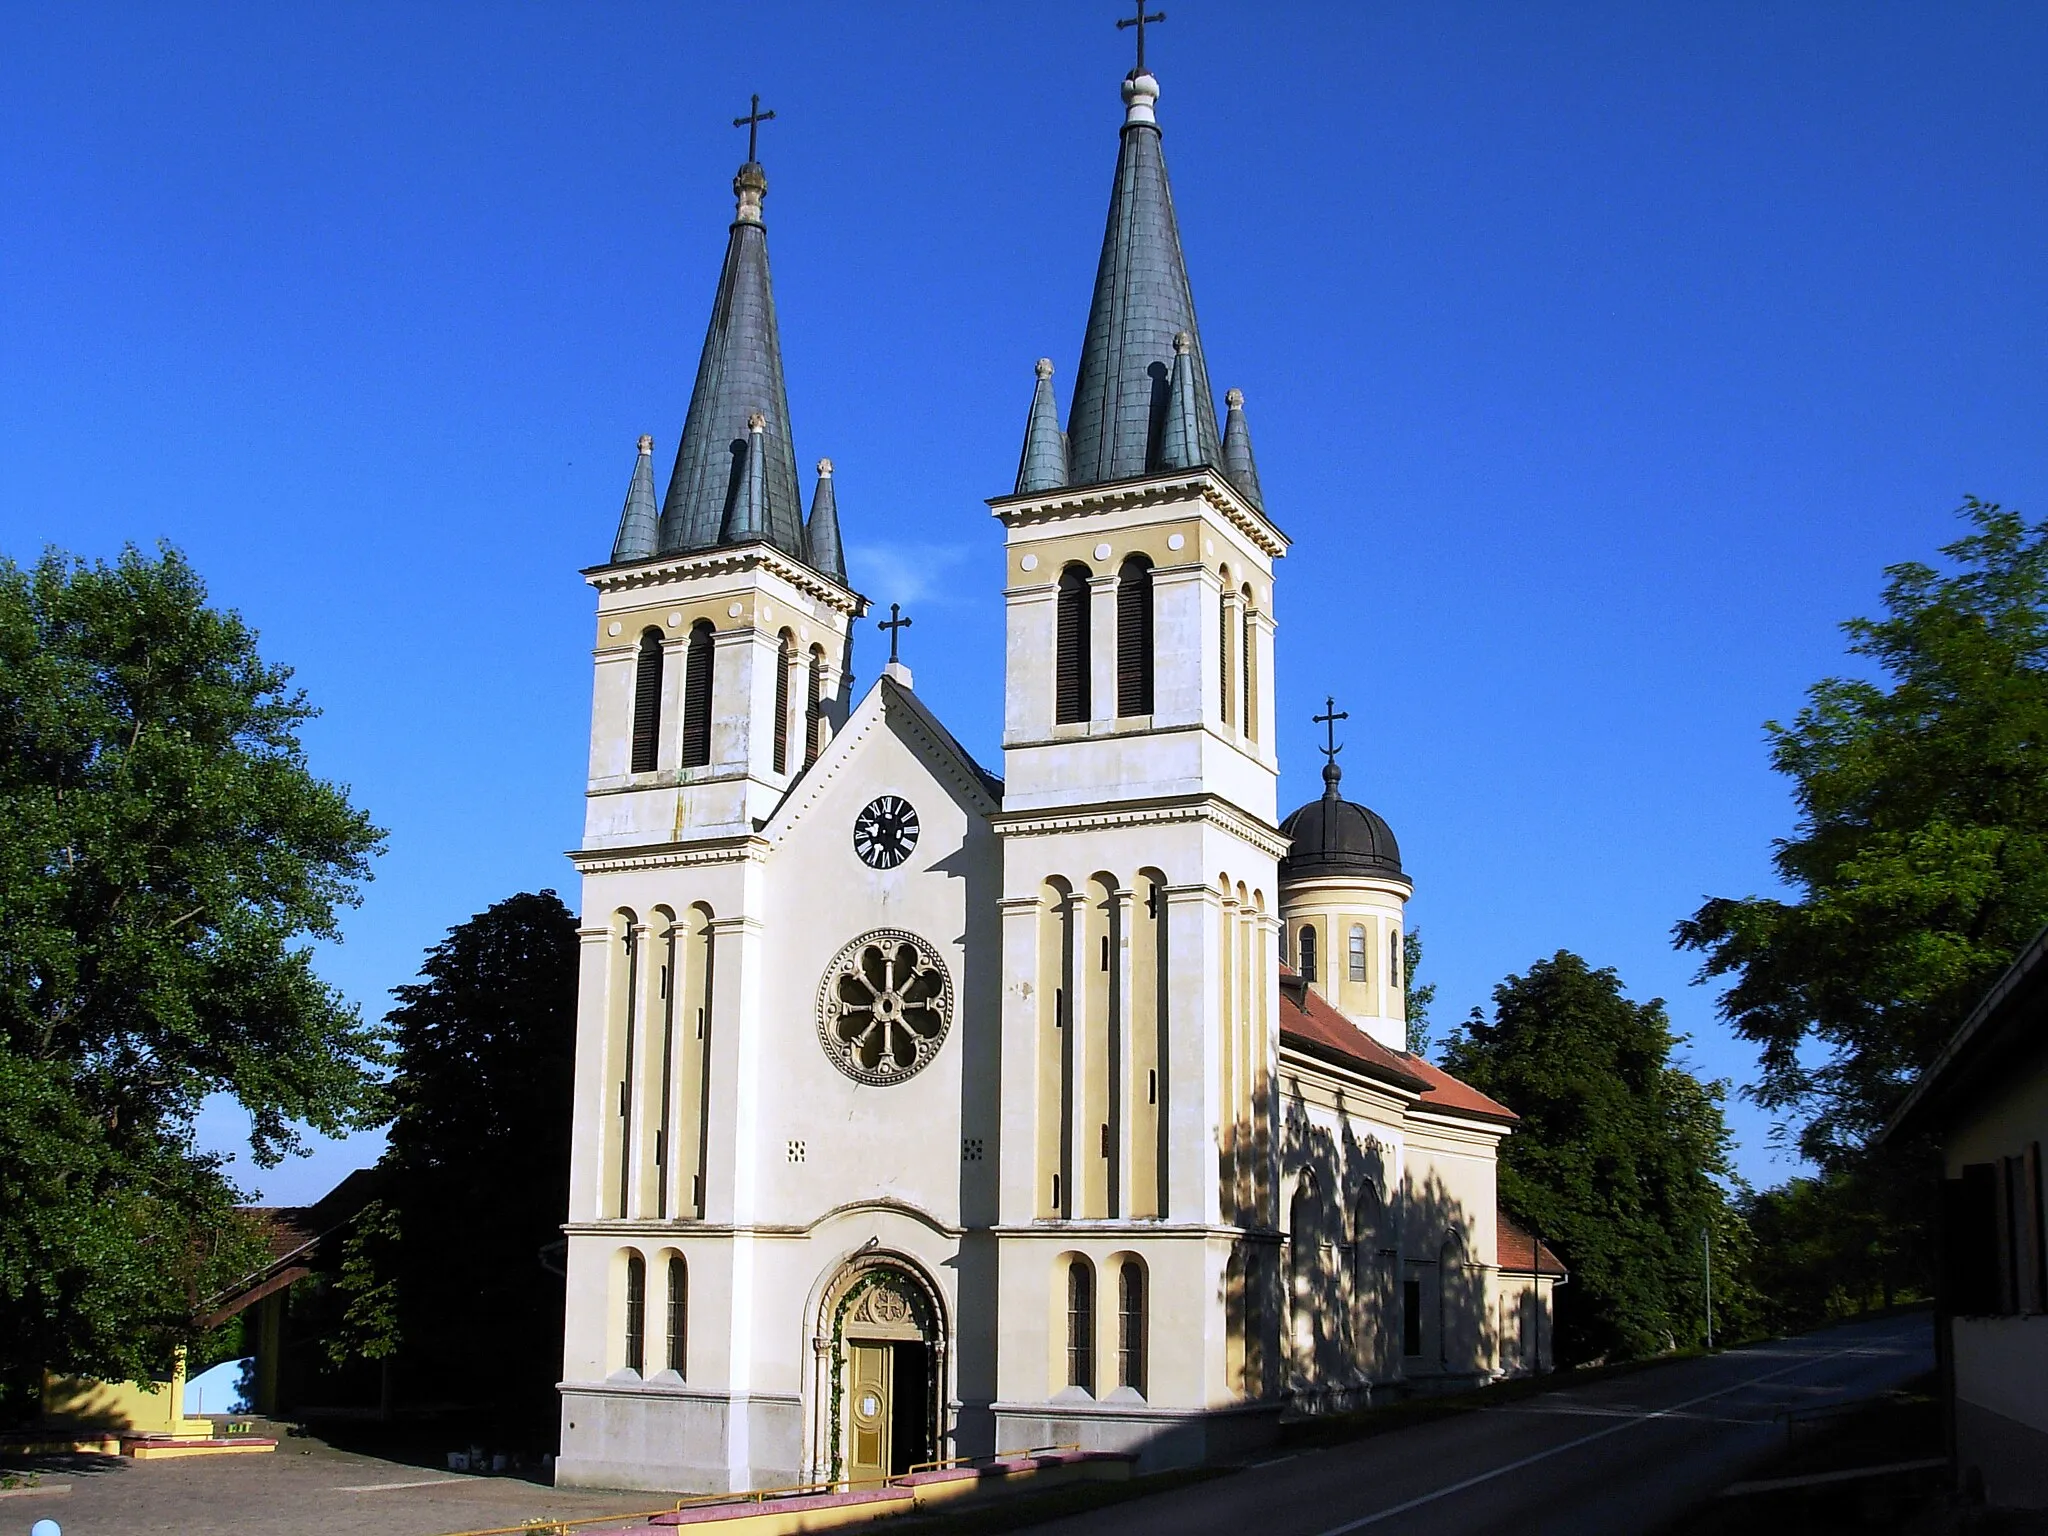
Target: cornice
{"points": [[1212, 809], [724, 561], [1034, 507], [725, 850]]}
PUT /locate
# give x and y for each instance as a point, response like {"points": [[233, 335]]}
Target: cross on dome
{"points": [[752, 123], [1139, 22]]}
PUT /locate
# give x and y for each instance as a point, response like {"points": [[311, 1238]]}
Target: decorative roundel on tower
{"points": [[884, 1006]]}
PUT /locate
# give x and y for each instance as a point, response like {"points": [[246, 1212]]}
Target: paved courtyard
{"points": [[303, 1488]]}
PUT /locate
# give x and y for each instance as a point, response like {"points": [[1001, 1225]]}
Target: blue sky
{"points": [[1598, 358]]}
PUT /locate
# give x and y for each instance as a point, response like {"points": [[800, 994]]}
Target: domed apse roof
{"points": [[1335, 837]]}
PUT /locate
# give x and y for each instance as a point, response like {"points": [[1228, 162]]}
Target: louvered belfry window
{"points": [[814, 708], [647, 703], [1070, 667], [785, 658], [697, 697], [1134, 637]]}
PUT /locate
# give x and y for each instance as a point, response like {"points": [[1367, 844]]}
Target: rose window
{"points": [[883, 1006]]}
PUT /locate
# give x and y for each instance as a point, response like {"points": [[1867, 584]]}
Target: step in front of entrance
{"points": [[917, 1490]]}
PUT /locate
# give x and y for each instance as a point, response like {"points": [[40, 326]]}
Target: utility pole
{"points": [[1707, 1250]]}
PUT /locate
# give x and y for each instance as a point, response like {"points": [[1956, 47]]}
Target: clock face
{"points": [[885, 831]]}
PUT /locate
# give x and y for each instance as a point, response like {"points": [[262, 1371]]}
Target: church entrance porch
{"points": [[881, 1372]]}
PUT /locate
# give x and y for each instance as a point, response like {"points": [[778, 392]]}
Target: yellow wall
{"points": [[122, 1406]]}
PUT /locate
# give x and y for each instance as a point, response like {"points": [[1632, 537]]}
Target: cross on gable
{"points": [[1139, 22], [752, 123], [892, 624]]}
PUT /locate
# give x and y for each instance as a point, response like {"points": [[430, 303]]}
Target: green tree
{"points": [[1919, 864], [1418, 998], [447, 1279], [165, 855], [1620, 1160]]}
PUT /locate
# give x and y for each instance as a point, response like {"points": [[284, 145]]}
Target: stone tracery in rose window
{"points": [[884, 1006]]}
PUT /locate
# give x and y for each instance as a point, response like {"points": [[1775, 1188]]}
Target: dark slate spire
{"points": [[1142, 302], [740, 375], [1043, 466], [1180, 442], [637, 522], [827, 558], [1238, 463]]}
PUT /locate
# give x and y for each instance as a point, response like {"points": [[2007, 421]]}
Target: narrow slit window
{"points": [[1358, 952], [647, 703], [1134, 637], [1070, 662], [1308, 953], [1251, 669], [1394, 959], [697, 696]]}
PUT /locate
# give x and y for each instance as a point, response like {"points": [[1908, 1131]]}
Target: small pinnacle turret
{"points": [[1180, 442], [638, 522], [1238, 463], [822, 533], [1043, 466]]}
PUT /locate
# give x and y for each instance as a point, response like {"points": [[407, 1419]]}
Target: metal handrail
{"points": [[544, 1527]]}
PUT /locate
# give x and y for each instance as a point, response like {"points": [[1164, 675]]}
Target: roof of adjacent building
{"points": [[1335, 836], [1519, 1253], [1142, 402], [2006, 1032], [1311, 1023]]}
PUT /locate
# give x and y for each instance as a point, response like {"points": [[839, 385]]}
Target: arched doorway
{"points": [[881, 1381]]}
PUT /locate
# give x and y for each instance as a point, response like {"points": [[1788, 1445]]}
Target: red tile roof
{"points": [[1518, 1251], [1309, 1022]]}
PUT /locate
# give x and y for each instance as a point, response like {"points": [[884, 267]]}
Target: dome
{"points": [[1334, 837]]}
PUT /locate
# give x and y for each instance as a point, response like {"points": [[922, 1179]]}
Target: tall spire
{"points": [[1043, 466], [637, 522], [827, 558], [1238, 463], [1142, 302], [738, 377]]}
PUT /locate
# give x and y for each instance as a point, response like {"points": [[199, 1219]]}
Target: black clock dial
{"points": [[885, 831]]}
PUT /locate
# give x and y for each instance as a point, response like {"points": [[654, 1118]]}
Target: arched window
{"points": [[1394, 958], [1308, 953], [1358, 951], [1251, 668], [785, 658], [697, 696], [1070, 662], [1134, 637], [647, 703], [1283, 944], [1130, 1326], [1303, 1253], [1080, 1325], [636, 1314], [678, 1316], [1366, 1217], [814, 708]]}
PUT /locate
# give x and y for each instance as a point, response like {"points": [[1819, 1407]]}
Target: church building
{"points": [[922, 1112]]}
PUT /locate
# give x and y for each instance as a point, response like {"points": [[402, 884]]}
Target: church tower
{"points": [[1139, 898]]}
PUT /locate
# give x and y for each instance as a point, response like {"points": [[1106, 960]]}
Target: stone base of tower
{"points": [[1159, 1437], [677, 1441]]}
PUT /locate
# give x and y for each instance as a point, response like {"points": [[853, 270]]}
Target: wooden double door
{"points": [[888, 1407]]}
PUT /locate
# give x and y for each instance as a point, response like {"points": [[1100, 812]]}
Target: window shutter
{"points": [[697, 697], [647, 703], [814, 709], [785, 658], [1070, 682], [1134, 638], [1969, 1242]]}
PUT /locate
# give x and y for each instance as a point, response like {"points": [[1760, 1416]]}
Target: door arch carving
{"points": [[880, 1370]]}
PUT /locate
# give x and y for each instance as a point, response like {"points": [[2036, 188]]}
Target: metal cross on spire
{"points": [[892, 624], [1139, 22], [752, 123], [1330, 719]]}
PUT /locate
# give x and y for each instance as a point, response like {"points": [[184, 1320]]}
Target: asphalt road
{"points": [[1619, 1457]]}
